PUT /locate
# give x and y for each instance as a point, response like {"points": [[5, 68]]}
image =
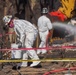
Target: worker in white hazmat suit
{"points": [[44, 26], [27, 33]]}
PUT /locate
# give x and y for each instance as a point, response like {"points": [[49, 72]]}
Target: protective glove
{"points": [[19, 45]]}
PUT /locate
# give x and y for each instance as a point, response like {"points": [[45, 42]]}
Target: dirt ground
{"points": [[47, 66]]}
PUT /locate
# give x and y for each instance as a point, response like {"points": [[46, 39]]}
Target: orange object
{"points": [[58, 14]]}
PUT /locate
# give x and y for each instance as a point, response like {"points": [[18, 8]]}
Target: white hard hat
{"points": [[44, 10], [7, 19]]}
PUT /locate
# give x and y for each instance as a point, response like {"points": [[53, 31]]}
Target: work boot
{"points": [[36, 64], [16, 67]]}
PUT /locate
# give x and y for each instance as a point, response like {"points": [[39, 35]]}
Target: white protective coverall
{"points": [[44, 25], [25, 30]]}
